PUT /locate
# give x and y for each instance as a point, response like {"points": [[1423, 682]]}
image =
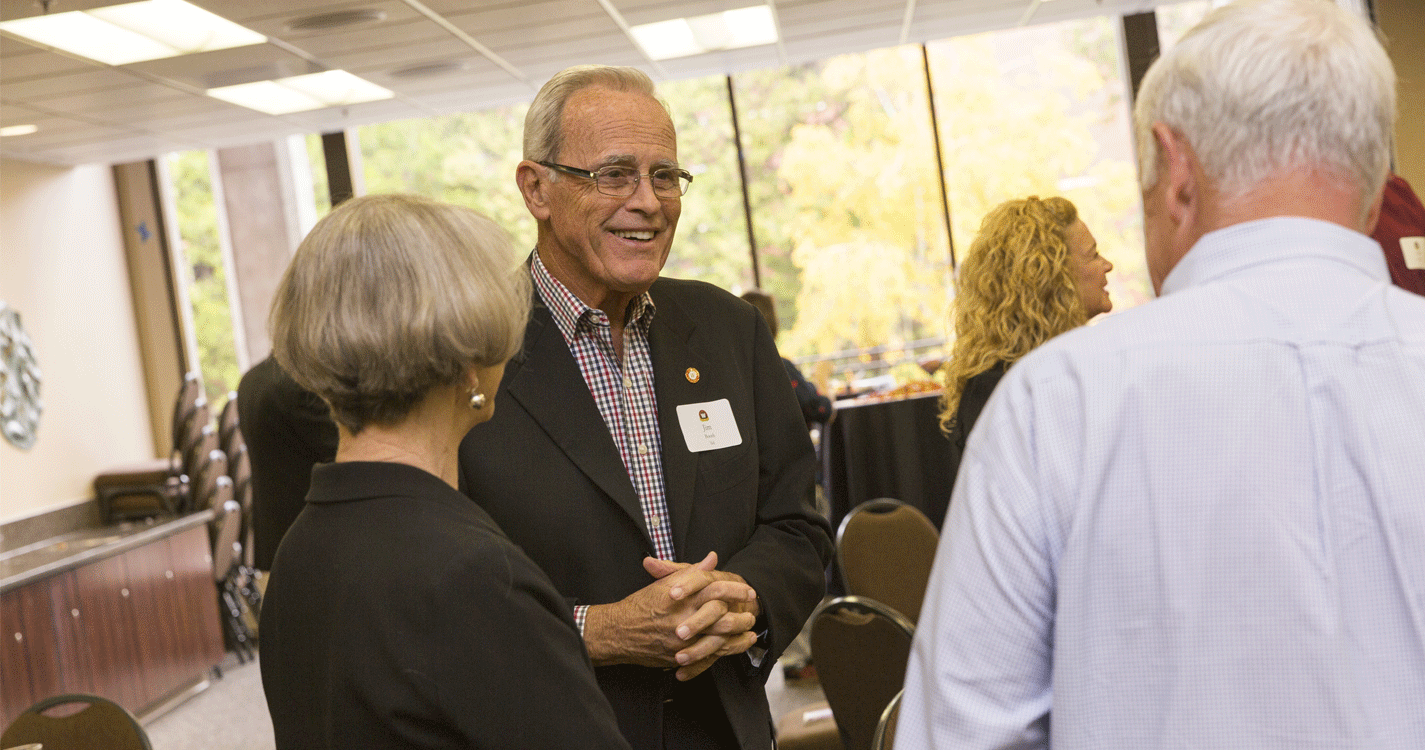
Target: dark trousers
{"points": [[694, 719]]}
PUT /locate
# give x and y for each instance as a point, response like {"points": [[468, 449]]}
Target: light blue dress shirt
{"points": [[1199, 524]]}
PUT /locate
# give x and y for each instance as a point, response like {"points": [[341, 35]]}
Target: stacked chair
{"points": [[159, 486], [237, 579], [231, 440], [208, 469], [238, 618]]}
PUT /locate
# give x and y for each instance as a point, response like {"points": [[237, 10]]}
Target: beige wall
{"points": [[62, 267], [1403, 23]]}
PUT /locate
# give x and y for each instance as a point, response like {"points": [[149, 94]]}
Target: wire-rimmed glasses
{"points": [[621, 182]]}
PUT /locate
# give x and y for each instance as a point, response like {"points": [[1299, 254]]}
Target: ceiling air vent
{"points": [[338, 20], [431, 69]]}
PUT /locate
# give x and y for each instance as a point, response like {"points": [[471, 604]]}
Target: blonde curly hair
{"points": [[1014, 291]]}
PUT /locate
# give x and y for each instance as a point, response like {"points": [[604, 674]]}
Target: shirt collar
{"points": [[1283, 238], [570, 312]]}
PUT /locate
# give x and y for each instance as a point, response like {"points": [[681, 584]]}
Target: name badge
{"points": [[1413, 248], [709, 426]]}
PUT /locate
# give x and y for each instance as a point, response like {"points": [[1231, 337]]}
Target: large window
{"points": [[711, 243], [1043, 111], [1175, 20], [468, 159], [205, 274], [847, 207], [317, 160]]}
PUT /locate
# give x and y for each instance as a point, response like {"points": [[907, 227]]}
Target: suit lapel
{"points": [[546, 381], [670, 340]]}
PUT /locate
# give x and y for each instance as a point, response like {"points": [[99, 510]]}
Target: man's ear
{"points": [[1182, 184], [534, 186]]}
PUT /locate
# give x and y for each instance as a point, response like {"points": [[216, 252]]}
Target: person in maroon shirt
{"points": [[1401, 234]]}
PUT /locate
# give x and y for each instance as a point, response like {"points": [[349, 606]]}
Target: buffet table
{"points": [[892, 448]]}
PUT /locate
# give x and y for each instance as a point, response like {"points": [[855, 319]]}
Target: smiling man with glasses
{"points": [[647, 452]]}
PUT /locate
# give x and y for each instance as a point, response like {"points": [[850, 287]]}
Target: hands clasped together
{"points": [[689, 617]]}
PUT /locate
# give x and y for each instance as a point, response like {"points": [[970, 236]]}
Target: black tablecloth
{"points": [[887, 449]]}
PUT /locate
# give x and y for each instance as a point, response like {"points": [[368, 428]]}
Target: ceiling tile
{"points": [[32, 62], [90, 112], [226, 67]]}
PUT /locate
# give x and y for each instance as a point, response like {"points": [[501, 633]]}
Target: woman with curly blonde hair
{"points": [[1033, 272]]}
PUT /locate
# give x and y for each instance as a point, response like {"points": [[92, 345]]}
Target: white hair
{"points": [[543, 131], [1260, 87]]}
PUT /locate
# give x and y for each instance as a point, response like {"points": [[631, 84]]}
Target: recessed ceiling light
{"points": [[134, 32], [338, 20], [332, 88], [731, 29], [10, 130]]}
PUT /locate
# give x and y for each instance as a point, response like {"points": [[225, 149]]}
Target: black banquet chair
{"points": [[885, 734], [99, 724], [885, 549], [860, 647]]}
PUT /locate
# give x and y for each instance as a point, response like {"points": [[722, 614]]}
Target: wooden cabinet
{"points": [[133, 627]]}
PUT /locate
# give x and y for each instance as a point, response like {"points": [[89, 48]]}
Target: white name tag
{"points": [[1413, 248], [709, 426]]}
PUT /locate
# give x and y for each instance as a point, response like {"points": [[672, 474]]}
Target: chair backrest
{"points": [[198, 450], [860, 648], [195, 429], [240, 469], [99, 724], [228, 421], [885, 549], [189, 393], [225, 528], [210, 470], [885, 735]]}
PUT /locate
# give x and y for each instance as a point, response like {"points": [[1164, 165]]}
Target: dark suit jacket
{"points": [[288, 431], [547, 469], [398, 616]]}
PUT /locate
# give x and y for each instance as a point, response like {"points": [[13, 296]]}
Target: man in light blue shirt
{"points": [[1201, 523]]}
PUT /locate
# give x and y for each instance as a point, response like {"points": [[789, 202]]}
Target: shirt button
{"points": [[642, 450], [627, 382], [657, 522]]}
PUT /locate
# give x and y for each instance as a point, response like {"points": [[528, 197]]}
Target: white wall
{"points": [[62, 267]]}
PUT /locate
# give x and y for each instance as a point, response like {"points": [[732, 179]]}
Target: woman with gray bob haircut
{"points": [[397, 613]]}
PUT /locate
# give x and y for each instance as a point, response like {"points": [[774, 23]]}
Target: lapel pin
{"points": [[693, 375]]}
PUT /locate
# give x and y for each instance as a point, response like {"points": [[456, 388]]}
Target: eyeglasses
{"points": [[621, 182]]}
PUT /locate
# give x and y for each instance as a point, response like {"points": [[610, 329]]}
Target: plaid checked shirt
{"points": [[624, 395]]}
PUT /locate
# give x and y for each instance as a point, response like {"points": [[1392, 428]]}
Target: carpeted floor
{"points": [[230, 715]]}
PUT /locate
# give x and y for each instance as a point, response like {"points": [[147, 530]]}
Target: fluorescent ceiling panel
{"points": [[134, 32], [332, 88], [732, 29]]}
